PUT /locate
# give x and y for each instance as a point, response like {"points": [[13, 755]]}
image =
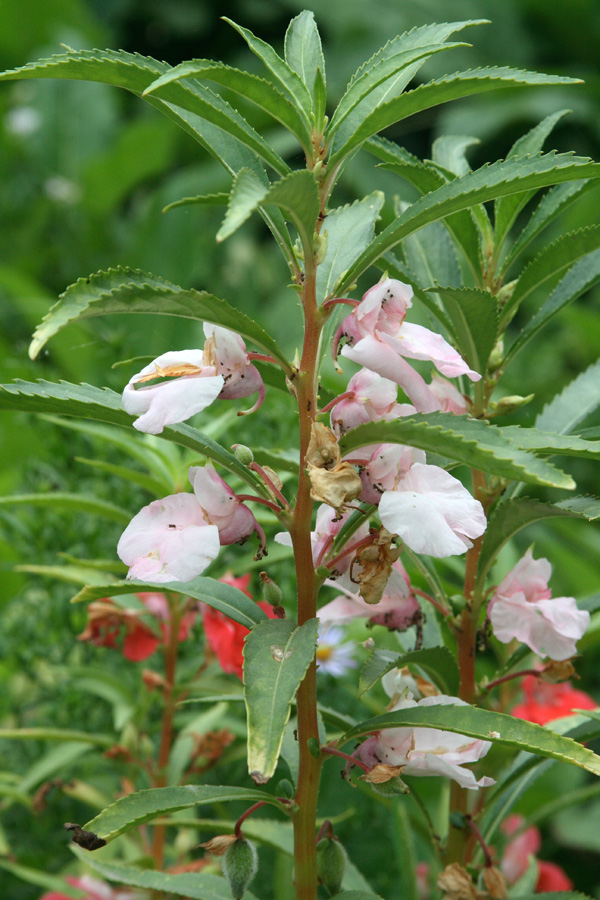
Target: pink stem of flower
{"points": [[357, 461], [256, 468], [351, 759], [512, 675], [489, 862], [356, 546], [238, 825], [259, 402], [262, 357], [263, 500], [346, 300], [438, 606], [324, 551], [326, 830], [348, 395]]}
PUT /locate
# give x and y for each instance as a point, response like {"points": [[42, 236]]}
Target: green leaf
{"points": [[43, 879], [302, 48], [285, 76], [356, 895], [143, 806], [465, 440], [579, 279], [349, 231], [578, 399], [484, 725], [554, 202], [426, 178], [103, 405], [508, 208], [277, 654], [258, 90], [510, 517], [426, 96], [438, 662], [152, 485], [124, 290], [449, 152], [474, 315], [551, 261], [227, 599], [201, 200], [546, 443], [497, 180], [195, 885], [296, 195], [64, 501], [102, 683], [135, 73], [55, 734]]}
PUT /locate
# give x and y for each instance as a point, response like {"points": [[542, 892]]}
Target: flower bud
{"points": [[243, 454], [240, 865], [510, 404], [320, 244], [285, 788], [331, 864], [496, 356], [270, 590]]}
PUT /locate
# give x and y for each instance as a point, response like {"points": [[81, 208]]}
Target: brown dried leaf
{"points": [[495, 883]]}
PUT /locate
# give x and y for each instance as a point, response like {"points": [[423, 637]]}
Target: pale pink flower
{"points": [[449, 397], [374, 400], [522, 608], [427, 751], [379, 339], [169, 540], [388, 463], [221, 507], [326, 528], [432, 512], [227, 351], [396, 610], [95, 890], [192, 386]]}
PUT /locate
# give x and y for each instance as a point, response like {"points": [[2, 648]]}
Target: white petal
{"points": [[171, 402]]}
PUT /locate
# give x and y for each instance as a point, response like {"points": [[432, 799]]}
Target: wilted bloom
{"points": [[332, 481], [221, 507], [192, 385], [374, 399], [398, 609], [427, 751], [169, 540], [95, 890], [335, 655], [545, 702], [522, 607], [326, 528], [379, 339], [518, 853]]}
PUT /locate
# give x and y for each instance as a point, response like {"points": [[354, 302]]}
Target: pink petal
{"points": [[417, 342]]}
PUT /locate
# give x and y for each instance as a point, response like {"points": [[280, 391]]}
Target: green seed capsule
{"points": [[240, 865], [331, 864]]}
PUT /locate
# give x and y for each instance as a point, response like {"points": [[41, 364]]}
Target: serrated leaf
{"points": [[465, 440], [302, 48], [551, 261], [258, 90], [143, 806], [554, 202], [426, 96], [135, 73], [296, 195], [498, 179], [125, 290], [227, 599], [579, 279], [508, 208], [509, 517], [194, 885], [474, 315], [200, 200], [449, 152], [577, 400], [63, 500], [277, 654], [426, 178], [586, 507], [349, 231], [104, 405], [438, 662], [285, 76], [483, 725], [547, 443]]}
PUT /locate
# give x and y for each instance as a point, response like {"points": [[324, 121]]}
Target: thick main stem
{"points": [[305, 860]]}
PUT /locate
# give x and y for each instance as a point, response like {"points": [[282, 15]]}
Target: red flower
{"points": [[552, 878], [544, 702], [226, 637]]}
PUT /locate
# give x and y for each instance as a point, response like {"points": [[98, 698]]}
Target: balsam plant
{"points": [[361, 463]]}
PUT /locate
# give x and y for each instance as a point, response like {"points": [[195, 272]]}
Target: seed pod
{"points": [[331, 864], [270, 590], [243, 454], [240, 865]]}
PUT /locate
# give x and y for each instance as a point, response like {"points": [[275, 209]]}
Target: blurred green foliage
{"points": [[86, 173]]}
